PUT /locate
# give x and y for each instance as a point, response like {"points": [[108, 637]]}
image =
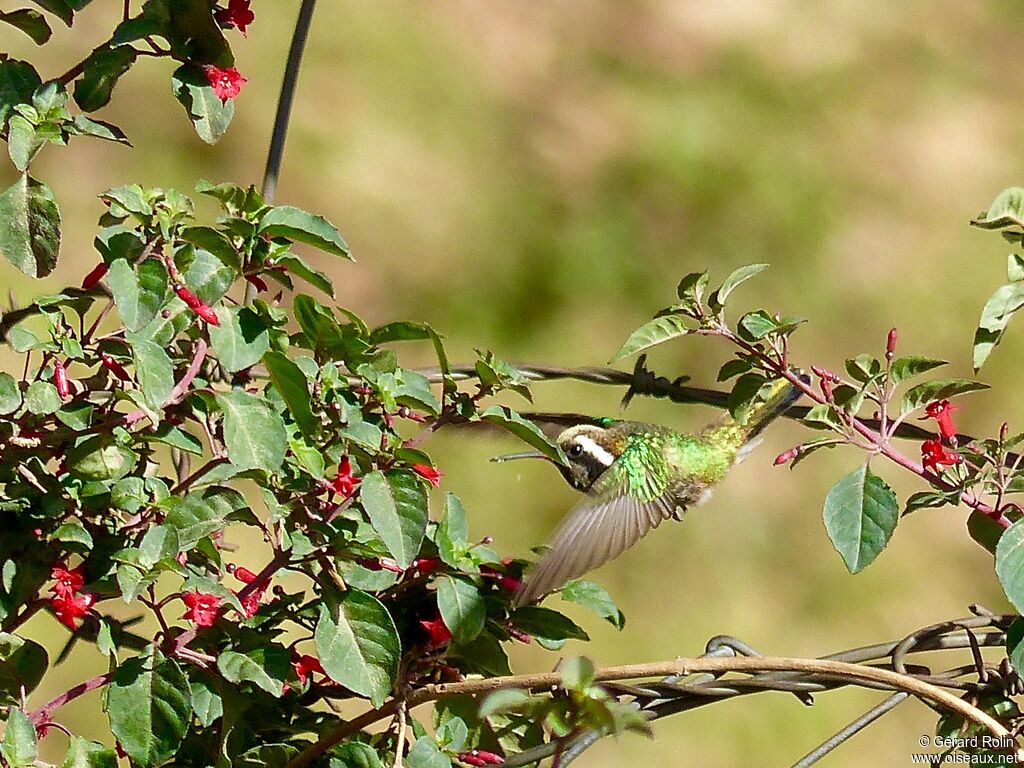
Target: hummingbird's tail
{"points": [[773, 400]]}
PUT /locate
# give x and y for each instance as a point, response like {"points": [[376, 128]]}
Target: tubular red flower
{"points": [[438, 633], [344, 483], [890, 343], [428, 473], [114, 367], [60, 380], [69, 580], [425, 566], [243, 574], [226, 83], [237, 15], [196, 304], [202, 608], [71, 608], [787, 456], [934, 455], [257, 282], [251, 602], [98, 272], [942, 411], [304, 665]]}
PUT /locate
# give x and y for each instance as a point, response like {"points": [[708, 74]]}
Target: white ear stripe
{"points": [[595, 450]]}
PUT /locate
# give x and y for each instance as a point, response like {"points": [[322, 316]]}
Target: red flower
{"points": [[506, 582], [942, 412], [787, 456], [935, 455], [378, 564], [98, 272], [257, 282], [425, 566], [251, 603], [69, 580], [479, 757], [226, 83], [114, 367], [68, 609], [202, 608], [196, 304], [345, 483], [237, 14], [304, 665], [60, 380], [242, 573], [428, 473], [437, 633]]}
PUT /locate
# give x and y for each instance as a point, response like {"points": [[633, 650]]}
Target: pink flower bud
{"points": [[890, 343], [60, 380], [98, 272]]}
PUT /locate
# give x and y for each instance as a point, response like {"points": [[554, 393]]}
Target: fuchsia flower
{"points": [[438, 633], [60, 379], [257, 282], [935, 455], [428, 473], [942, 412], [114, 367], [68, 609], [304, 665], [98, 272], [344, 483], [237, 14], [196, 304], [202, 608], [69, 580], [477, 757], [226, 83]]}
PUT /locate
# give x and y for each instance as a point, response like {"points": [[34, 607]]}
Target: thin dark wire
{"points": [[284, 100], [851, 728]]}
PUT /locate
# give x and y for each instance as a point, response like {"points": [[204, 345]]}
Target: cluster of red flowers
{"points": [[305, 665], [438, 634], [344, 483], [251, 602], [68, 605], [203, 608], [934, 454], [227, 82]]}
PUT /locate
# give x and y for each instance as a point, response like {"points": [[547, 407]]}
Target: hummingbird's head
{"points": [[589, 450]]}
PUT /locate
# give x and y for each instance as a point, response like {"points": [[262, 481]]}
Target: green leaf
{"points": [[357, 643], [984, 530], [717, 299], [502, 702], [30, 22], [59, 8], [241, 338], [42, 398], [995, 316], [922, 394], [754, 326], [907, 367], [355, 754], [484, 655], [400, 330], [30, 226], [860, 515], [425, 754], [452, 531], [594, 598], [19, 745], [158, 545], [1010, 563], [200, 513], [266, 667], [691, 288], [546, 624], [100, 458], [23, 142], [656, 331], [18, 81], [22, 665], [154, 372], [294, 265], [301, 227], [462, 608], [254, 433], [396, 505], [86, 126], [149, 707], [1015, 643], [290, 382], [206, 702], [577, 673], [103, 68], [138, 292], [209, 115], [1007, 210], [83, 753], [525, 430]]}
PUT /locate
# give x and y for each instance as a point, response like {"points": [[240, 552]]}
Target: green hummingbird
{"points": [[637, 475]]}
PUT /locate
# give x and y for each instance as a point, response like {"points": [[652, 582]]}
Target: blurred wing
{"points": [[601, 527]]}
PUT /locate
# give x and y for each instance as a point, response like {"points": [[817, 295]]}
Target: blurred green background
{"points": [[534, 178]]}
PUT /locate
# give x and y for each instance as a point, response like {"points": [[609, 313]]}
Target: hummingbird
{"points": [[637, 475]]}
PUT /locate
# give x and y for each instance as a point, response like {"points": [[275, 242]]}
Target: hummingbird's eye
{"points": [[575, 451]]}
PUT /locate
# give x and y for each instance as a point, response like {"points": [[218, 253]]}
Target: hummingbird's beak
{"points": [[523, 455]]}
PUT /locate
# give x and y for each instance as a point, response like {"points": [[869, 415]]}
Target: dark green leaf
{"points": [[525, 430], [396, 505], [18, 81], [159, 544], [19, 745], [241, 338], [922, 394], [291, 384], [995, 316], [30, 226], [59, 8], [149, 708], [594, 598], [907, 367], [100, 458], [302, 227], [267, 667], [984, 530], [138, 292], [656, 331], [10, 394], [22, 665], [209, 115], [452, 531], [99, 129], [462, 608], [42, 398], [691, 288], [358, 645], [254, 433], [30, 22], [860, 515], [103, 68], [83, 753], [717, 299], [733, 368], [484, 655], [154, 372], [355, 754], [1010, 563], [546, 624], [425, 754], [294, 265]]}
